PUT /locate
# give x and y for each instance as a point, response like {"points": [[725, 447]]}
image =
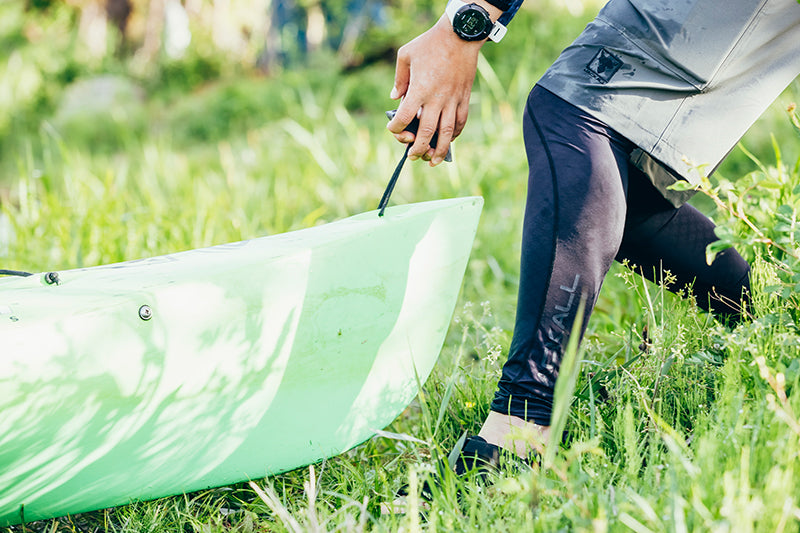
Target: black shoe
{"points": [[474, 453], [471, 455]]}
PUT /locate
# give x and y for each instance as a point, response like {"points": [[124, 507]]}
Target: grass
{"points": [[696, 430]]}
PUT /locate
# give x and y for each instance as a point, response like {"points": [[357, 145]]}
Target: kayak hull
{"points": [[208, 367]]}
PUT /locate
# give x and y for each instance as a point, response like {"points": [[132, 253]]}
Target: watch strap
{"points": [[502, 5], [509, 13]]}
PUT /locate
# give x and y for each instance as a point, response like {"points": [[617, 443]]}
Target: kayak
{"points": [[171, 374]]}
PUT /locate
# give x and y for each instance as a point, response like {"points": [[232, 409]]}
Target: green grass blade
{"points": [[565, 388]]}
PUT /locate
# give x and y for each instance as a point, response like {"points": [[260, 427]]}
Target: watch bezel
{"points": [[461, 14]]}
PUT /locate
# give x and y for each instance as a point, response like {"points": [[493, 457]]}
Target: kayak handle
{"points": [[412, 127], [4, 272]]}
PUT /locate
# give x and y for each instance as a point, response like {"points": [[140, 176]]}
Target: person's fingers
{"points": [[406, 112], [447, 125], [462, 111], [428, 124], [404, 137]]}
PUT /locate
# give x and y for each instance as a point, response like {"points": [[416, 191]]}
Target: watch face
{"points": [[472, 23]]}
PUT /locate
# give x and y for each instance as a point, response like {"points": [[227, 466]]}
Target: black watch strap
{"points": [[502, 5]]}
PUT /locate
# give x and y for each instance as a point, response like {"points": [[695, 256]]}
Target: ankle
{"points": [[514, 434]]}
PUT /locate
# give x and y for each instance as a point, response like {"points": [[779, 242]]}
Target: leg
{"points": [[574, 220], [659, 236]]}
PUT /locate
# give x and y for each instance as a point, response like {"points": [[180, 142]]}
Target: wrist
{"points": [[445, 28]]}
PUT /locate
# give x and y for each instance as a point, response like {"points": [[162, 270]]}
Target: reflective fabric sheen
{"points": [[680, 79]]}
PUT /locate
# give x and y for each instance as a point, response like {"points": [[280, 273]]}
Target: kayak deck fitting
{"points": [[203, 368]]}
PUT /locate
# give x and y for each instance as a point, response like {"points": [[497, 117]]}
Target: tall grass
{"points": [[692, 426]]}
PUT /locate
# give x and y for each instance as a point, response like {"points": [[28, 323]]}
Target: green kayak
{"points": [[203, 368]]}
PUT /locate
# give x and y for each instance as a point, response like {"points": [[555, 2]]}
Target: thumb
{"points": [[402, 76]]}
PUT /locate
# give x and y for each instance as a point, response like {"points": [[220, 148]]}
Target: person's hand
{"points": [[434, 78]]}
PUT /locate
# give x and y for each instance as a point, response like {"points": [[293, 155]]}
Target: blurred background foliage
{"points": [[295, 89], [186, 124], [250, 117], [104, 72]]}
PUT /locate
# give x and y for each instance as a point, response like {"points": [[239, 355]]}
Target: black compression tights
{"points": [[586, 207]]}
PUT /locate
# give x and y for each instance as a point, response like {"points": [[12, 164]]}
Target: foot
{"points": [[475, 453], [514, 434]]}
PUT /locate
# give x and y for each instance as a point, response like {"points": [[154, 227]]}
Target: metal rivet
{"points": [[51, 278], [145, 313]]}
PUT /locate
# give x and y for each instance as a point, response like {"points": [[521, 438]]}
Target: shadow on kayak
{"points": [[251, 359]]}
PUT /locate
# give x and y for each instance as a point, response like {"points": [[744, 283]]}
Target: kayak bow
{"points": [[203, 368]]}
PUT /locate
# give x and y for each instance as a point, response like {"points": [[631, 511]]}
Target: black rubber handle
{"points": [[414, 126]]}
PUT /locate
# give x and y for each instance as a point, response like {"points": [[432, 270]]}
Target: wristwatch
{"points": [[472, 23]]}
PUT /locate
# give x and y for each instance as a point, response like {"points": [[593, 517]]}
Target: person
{"points": [[646, 87]]}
